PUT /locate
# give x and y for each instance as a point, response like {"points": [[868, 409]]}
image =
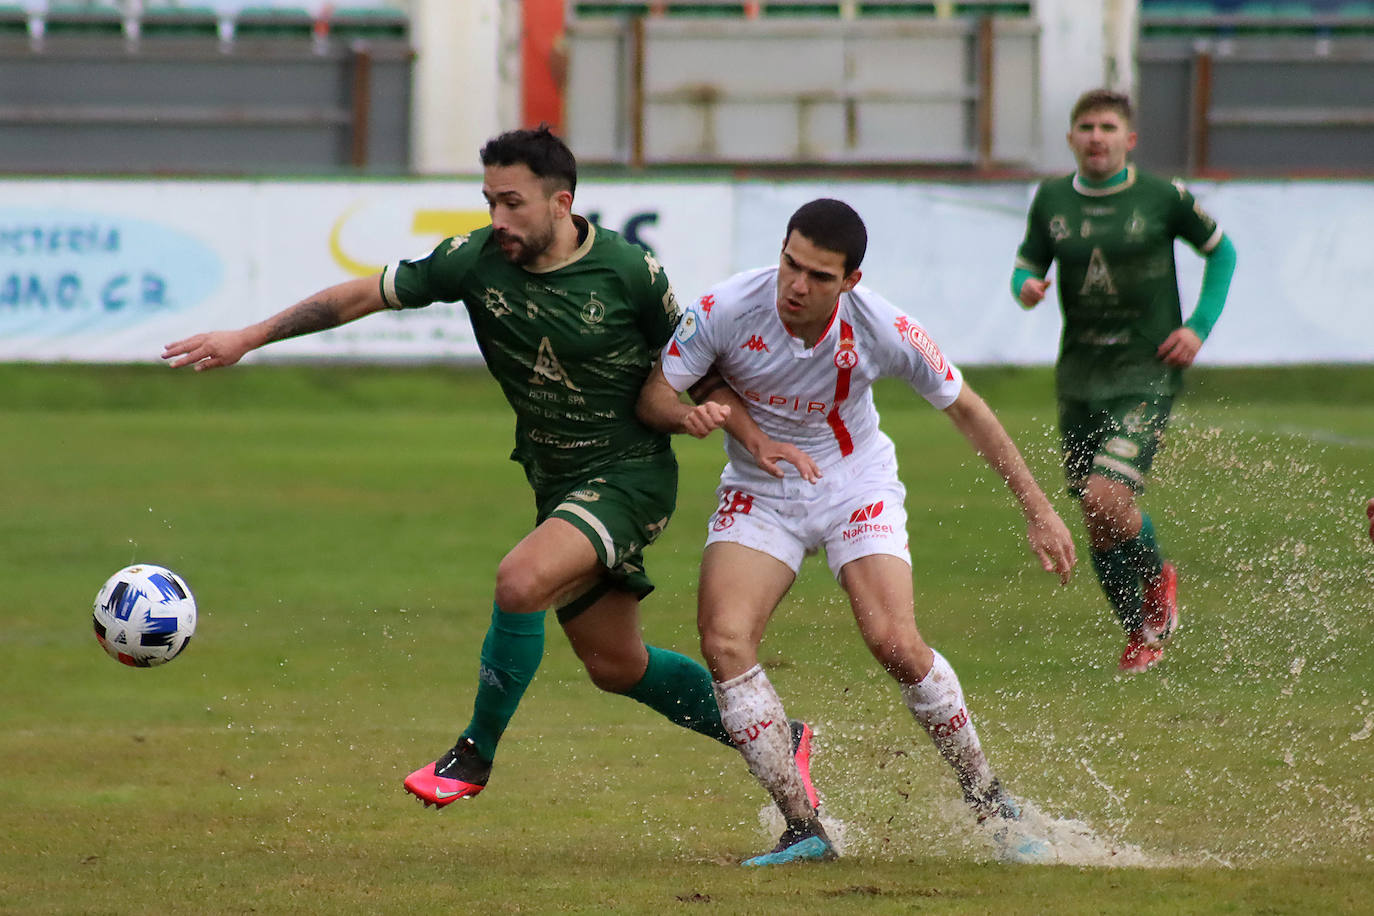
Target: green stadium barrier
{"points": [[274, 22], [179, 22], [69, 20]]}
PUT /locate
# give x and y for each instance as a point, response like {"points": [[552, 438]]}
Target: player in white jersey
{"points": [[802, 343]]}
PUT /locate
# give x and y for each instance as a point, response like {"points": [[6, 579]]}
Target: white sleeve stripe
{"points": [[1212, 242], [389, 286]]}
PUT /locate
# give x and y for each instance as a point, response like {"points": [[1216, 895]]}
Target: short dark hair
{"points": [[833, 225], [1094, 99], [539, 150]]}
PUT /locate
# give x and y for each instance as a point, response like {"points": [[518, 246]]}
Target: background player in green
{"points": [[1124, 345], [569, 317]]}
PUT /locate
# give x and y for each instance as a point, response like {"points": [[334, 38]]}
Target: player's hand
{"points": [[1033, 290], [1050, 540], [212, 350], [1180, 348], [769, 452], [705, 418]]}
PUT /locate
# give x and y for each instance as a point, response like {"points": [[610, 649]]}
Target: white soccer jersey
{"points": [[821, 399]]}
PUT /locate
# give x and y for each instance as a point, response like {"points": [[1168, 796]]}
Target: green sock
{"points": [[680, 689], [1143, 552], [511, 653], [1121, 584]]}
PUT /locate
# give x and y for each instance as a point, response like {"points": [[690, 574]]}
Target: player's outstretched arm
{"points": [[329, 308], [1048, 535]]}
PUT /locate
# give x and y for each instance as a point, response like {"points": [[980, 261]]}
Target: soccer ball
{"points": [[144, 615]]}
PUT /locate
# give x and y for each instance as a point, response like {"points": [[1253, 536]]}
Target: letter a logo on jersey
{"points": [[547, 366], [1098, 278]]}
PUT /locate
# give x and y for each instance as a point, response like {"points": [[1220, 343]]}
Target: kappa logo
{"points": [[867, 513], [755, 343]]}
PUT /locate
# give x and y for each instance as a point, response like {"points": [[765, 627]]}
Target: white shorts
{"points": [[857, 509]]}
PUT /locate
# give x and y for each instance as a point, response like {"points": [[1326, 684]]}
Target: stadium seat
{"points": [[1177, 19], [974, 8], [64, 20], [799, 9], [179, 22], [14, 21], [895, 8], [274, 22], [594, 9], [351, 23]]}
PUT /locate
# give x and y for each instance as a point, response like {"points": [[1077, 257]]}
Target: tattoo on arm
{"points": [[305, 318]]}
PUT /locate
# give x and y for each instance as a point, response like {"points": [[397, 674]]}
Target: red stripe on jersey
{"points": [[673, 350], [837, 426]]}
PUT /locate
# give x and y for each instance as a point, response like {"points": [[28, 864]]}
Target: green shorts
{"points": [[1116, 438], [620, 511]]}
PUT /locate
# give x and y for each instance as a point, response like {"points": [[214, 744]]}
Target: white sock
{"points": [[937, 703], [753, 716]]}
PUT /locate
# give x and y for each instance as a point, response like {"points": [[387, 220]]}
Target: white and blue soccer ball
{"points": [[144, 615]]}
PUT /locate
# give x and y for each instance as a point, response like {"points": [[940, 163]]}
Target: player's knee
{"points": [[518, 588], [725, 651], [1105, 500], [613, 673], [904, 660]]}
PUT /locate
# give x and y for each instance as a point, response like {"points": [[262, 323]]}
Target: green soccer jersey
{"points": [[570, 346], [1118, 289]]}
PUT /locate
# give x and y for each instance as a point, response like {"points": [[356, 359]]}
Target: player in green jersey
{"points": [[569, 317], [1124, 346]]}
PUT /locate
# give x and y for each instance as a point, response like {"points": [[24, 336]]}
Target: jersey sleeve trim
{"points": [[1032, 267], [1212, 242], [680, 381], [388, 283]]}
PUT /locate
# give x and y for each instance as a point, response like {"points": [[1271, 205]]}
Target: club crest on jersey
{"points": [[845, 356], [1059, 228], [921, 342], [594, 310], [1135, 226], [687, 327]]}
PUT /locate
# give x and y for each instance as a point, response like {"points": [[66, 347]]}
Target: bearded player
{"points": [[568, 317]]}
